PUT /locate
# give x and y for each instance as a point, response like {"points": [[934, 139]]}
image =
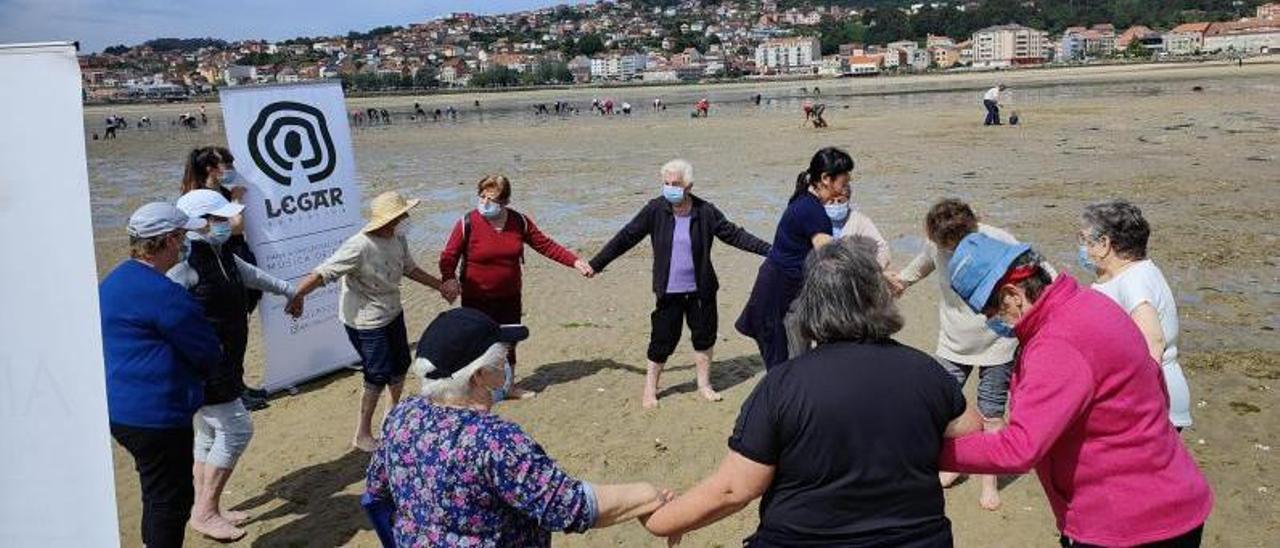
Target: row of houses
{"points": [[638, 45], [1012, 45]]}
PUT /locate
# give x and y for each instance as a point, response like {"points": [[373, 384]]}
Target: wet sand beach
{"points": [[1203, 165]]}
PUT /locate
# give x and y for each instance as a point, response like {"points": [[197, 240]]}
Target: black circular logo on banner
{"points": [[289, 137]]}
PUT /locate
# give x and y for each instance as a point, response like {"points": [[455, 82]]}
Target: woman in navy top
{"points": [[804, 226]]}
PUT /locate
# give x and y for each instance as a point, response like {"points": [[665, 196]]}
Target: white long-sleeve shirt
{"points": [[252, 277], [963, 336], [992, 94]]}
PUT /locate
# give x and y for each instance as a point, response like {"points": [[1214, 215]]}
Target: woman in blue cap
{"points": [[1088, 410]]}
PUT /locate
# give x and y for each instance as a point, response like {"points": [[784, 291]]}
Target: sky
{"points": [[97, 24]]}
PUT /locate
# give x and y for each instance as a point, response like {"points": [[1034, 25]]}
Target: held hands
{"points": [[896, 285], [663, 497], [451, 290], [294, 306], [668, 495], [584, 268]]}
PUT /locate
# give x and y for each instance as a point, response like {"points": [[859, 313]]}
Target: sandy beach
{"points": [[1203, 165]]}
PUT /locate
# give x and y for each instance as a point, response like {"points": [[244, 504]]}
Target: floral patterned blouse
{"points": [[459, 477]]}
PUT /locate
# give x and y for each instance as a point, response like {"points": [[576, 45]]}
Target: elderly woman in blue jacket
{"points": [[158, 349]]}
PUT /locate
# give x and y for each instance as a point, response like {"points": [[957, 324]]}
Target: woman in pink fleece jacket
{"points": [[1088, 409]]}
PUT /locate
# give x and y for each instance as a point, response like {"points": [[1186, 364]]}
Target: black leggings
{"points": [[1190, 539], [163, 458]]}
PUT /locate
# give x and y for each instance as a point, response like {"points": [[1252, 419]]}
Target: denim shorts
{"points": [[993, 384], [223, 431], [384, 352]]}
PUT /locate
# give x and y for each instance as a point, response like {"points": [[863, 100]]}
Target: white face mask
{"points": [[403, 227]]}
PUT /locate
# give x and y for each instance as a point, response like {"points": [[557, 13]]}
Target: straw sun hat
{"points": [[387, 207]]}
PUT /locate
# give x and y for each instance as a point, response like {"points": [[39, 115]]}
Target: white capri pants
{"points": [[223, 432]]}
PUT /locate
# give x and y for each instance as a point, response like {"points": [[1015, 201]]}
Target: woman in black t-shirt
{"points": [[842, 442]]}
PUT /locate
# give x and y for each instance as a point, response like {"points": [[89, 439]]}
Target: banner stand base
{"points": [[297, 387]]}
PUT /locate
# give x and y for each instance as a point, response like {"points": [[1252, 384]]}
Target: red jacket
{"points": [[493, 269], [1088, 410]]}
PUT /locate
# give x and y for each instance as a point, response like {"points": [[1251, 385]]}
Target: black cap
{"points": [[459, 336]]}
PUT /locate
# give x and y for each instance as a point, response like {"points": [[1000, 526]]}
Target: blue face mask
{"points": [[489, 209], [228, 178], [219, 233], [1082, 258], [1001, 327], [673, 194], [837, 212], [499, 394]]}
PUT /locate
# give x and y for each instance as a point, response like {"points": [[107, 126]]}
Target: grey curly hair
{"points": [[845, 297], [1123, 225]]}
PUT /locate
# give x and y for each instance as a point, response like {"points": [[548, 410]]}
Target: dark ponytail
{"points": [[829, 161], [199, 163]]}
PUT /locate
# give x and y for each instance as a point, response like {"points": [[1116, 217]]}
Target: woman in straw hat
{"points": [[370, 265]]}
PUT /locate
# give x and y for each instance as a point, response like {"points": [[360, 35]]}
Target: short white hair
{"points": [[457, 385], [679, 167]]}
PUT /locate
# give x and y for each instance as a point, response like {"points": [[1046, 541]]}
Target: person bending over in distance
{"points": [[483, 258], [803, 436], [370, 265], [451, 473], [1088, 410], [682, 228], [1113, 245], [991, 100]]}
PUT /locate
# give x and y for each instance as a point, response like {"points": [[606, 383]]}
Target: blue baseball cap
{"points": [[978, 263]]}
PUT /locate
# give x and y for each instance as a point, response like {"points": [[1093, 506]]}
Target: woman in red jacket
{"points": [[482, 260]]}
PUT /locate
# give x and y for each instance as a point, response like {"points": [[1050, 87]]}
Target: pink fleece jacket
{"points": [[1088, 410]]}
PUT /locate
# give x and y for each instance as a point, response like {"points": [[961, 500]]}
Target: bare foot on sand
{"points": [[216, 528], [948, 478], [649, 400], [990, 497], [366, 444], [710, 395], [236, 517]]}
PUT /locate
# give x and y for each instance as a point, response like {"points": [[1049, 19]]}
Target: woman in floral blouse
{"points": [[450, 473]]}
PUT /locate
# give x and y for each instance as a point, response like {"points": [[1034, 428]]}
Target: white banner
{"points": [[59, 488], [292, 145]]}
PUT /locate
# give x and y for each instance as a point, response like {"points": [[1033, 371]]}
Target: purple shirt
{"points": [[682, 278], [459, 477]]}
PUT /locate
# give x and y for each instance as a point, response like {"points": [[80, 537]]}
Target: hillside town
{"points": [[638, 41]]}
